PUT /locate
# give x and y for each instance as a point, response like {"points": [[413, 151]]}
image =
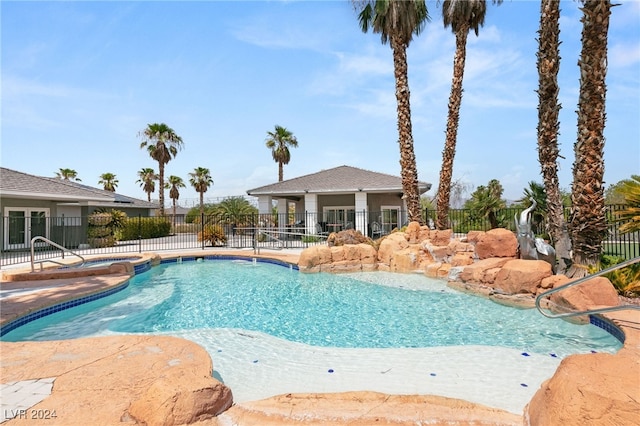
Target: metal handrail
{"points": [[580, 281], [46, 240]]}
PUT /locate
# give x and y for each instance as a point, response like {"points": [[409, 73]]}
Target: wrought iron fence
{"points": [[269, 231]]}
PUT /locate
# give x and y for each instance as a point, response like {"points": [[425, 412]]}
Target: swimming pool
{"points": [[364, 310], [273, 330]]}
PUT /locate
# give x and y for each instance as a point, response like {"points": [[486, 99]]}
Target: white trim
{"points": [[27, 226]]}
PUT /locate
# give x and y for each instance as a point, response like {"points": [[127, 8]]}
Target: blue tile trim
{"points": [[142, 267], [607, 326], [229, 257], [59, 307]]}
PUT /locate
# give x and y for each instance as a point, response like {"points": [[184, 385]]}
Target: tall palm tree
{"points": [[548, 125], [587, 222], [279, 142], [174, 184], [397, 21], [108, 181], [461, 16], [147, 180], [68, 174], [201, 181], [162, 143]]}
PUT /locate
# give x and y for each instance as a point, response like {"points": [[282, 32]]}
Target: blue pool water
{"points": [[365, 310]]}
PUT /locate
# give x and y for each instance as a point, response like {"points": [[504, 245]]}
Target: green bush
{"points": [[214, 234], [145, 227]]}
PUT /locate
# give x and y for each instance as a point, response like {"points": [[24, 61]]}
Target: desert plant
{"points": [[214, 234], [103, 226], [625, 280]]}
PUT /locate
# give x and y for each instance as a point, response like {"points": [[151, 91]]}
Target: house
{"points": [[52, 207], [338, 198]]}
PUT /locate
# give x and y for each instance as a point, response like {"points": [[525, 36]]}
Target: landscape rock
{"points": [[596, 292], [522, 276], [497, 242], [590, 390]]}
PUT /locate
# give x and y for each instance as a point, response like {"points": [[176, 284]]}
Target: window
{"points": [[390, 218], [339, 217]]}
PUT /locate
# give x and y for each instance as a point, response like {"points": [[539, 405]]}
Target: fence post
{"points": [[139, 233], [202, 228]]}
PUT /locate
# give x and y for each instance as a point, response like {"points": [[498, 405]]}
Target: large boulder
{"points": [[476, 272], [348, 236], [166, 404], [497, 242], [589, 390], [522, 276], [311, 259], [440, 237], [596, 292], [389, 245]]}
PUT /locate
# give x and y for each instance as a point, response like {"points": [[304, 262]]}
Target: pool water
{"points": [[363, 310]]}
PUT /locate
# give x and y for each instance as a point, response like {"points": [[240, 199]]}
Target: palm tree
{"points": [[236, 210], [147, 180], [461, 16], [163, 144], [201, 180], [173, 185], [486, 201], [548, 125], [587, 222], [108, 181], [396, 21], [279, 142], [68, 174]]}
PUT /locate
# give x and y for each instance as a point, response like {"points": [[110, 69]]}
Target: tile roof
{"points": [[16, 184], [341, 179]]}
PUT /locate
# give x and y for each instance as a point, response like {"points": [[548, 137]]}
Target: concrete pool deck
{"points": [[120, 369]]}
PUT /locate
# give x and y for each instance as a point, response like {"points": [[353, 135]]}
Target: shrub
{"points": [[145, 227], [214, 234], [626, 280], [103, 226]]}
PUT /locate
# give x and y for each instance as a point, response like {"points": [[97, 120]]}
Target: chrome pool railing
{"points": [[46, 240], [580, 281]]}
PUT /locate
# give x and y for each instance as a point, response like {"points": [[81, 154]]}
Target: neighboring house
{"points": [[338, 198], [54, 208]]}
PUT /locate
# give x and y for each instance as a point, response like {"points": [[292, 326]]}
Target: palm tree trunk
{"points": [[588, 224], [201, 203], [453, 119], [408, 169], [548, 124], [174, 215], [161, 189], [280, 171]]}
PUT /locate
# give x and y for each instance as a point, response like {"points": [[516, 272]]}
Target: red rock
{"points": [[522, 276], [592, 389], [497, 243], [475, 272], [597, 291]]}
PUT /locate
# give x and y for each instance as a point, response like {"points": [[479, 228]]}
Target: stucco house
{"points": [[338, 198], [43, 206]]}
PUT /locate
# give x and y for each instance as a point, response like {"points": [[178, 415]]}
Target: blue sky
{"points": [[81, 79]]}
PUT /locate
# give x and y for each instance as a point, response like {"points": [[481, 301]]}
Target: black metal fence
{"points": [[87, 236]]}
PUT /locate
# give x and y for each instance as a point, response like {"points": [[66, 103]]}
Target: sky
{"points": [[80, 80]]}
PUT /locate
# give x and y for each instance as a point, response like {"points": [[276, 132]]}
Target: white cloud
{"points": [[624, 54]]}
